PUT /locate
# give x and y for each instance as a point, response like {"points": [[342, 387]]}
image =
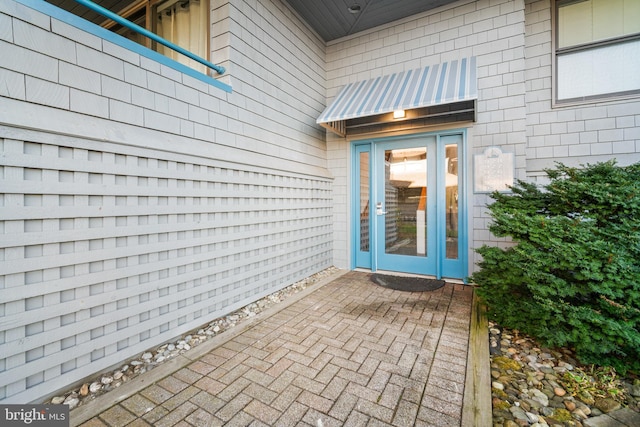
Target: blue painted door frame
{"points": [[368, 178]]}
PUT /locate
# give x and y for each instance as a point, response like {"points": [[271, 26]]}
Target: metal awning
{"points": [[434, 85]]}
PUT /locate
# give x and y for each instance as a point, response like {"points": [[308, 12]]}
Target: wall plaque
{"points": [[493, 170]]}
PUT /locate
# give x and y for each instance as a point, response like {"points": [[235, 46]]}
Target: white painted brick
{"points": [[170, 73], [198, 85], [560, 151], [116, 89], [178, 108], [28, 62], [588, 137], [548, 117], [541, 130], [47, 93], [544, 152], [218, 121], [187, 94], [150, 64], [515, 113], [589, 113], [559, 128], [197, 114], [601, 148], [75, 34], [161, 103], [13, 85], [26, 14], [125, 112], [619, 147], [623, 109], [631, 133], [80, 78], [625, 122], [575, 126], [580, 150], [39, 40], [610, 135], [135, 75], [599, 124], [121, 52], [187, 128], [100, 62], [6, 30], [570, 138], [142, 97], [163, 85], [89, 103], [212, 103], [551, 140], [163, 122]]}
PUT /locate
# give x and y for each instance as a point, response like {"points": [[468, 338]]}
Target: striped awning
{"points": [[444, 83]]}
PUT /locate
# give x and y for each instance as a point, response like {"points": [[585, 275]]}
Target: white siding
{"points": [[139, 203]]}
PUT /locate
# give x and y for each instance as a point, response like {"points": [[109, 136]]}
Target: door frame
{"points": [[458, 268]]}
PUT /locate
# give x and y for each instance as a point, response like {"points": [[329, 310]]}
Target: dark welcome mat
{"points": [[408, 284]]}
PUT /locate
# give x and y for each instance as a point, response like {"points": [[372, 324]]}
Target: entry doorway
{"points": [[409, 205]]}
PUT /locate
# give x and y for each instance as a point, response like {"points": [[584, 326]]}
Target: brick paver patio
{"points": [[350, 353]]}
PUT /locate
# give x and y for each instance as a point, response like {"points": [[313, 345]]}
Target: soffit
{"points": [[331, 19]]}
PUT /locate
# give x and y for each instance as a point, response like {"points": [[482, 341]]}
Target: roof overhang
{"points": [[435, 94]]}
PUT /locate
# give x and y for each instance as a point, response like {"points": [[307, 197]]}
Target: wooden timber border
{"points": [[476, 409]]}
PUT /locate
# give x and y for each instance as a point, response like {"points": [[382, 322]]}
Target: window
{"points": [[182, 22], [597, 49]]}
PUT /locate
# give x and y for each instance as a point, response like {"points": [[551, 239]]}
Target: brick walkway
{"points": [[349, 353]]}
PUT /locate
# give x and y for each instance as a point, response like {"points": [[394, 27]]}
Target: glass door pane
{"points": [[364, 201], [451, 201], [405, 196], [404, 212], [362, 220], [452, 239]]}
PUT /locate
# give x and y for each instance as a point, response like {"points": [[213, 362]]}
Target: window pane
{"points": [[595, 20], [184, 24], [575, 24], [599, 71]]}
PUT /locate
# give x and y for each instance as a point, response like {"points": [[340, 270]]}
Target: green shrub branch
{"points": [[572, 277]]}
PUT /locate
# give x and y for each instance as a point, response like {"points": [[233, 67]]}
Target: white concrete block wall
{"points": [[493, 31], [573, 134], [138, 203]]}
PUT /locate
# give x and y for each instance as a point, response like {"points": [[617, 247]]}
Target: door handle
{"points": [[379, 210]]}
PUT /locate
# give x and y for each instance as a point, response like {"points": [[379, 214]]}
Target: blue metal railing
{"points": [[137, 28]]}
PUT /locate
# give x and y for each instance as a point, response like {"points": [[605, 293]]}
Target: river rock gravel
{"points": [[527, 386]]}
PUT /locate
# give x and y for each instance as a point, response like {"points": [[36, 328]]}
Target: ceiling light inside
{"points": [[354, 8]]}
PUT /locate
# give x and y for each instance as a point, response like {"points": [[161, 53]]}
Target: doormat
{"points": [[408, 284]]}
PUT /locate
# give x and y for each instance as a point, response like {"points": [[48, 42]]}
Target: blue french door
{"points": [[410, 210]]}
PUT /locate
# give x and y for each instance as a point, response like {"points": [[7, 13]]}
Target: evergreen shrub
{"points": [[572, 277]]}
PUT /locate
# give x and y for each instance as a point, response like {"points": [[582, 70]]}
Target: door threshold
{"points": [[401, 274]]}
